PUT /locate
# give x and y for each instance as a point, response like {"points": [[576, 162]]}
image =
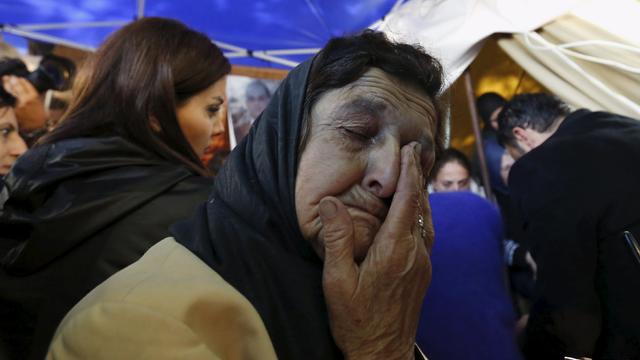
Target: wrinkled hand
{"points": [[374, 307], [29, 106]]}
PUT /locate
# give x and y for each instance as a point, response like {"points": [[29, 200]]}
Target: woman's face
{"points": [[452, 177], [353, 152], [11, 144], [202, 116]]}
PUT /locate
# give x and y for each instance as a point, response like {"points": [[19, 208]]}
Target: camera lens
{"points": [[54, 72]]}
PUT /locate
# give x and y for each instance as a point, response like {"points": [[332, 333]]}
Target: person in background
{"points": [[257, 96], [452, 172], [467, 313], [11, 144], [107, 182], [574, 189], [29, 105], [315, 241], [489, 106], [28, 90]]}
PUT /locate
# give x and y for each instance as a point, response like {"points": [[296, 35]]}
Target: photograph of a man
{"points": [[256, 97]]}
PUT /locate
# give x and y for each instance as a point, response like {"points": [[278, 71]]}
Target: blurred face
{"points": [[494, 118], [452, 177], [202, 116], [353, 152], [11, 144], [257, 100]]}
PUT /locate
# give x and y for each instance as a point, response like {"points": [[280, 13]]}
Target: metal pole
{"points": [[140, 12], [306, 51], [46, 38], [70, 25], [471, 98]]}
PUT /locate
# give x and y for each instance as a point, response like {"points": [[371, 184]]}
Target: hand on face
{"points": [[374, 307], [353, 153], [29, 107]]}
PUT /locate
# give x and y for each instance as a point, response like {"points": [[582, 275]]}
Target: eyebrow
{"points": [[360, 107], [219, 98]]}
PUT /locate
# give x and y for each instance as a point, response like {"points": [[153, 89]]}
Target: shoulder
{"points": [[464, 209], [169, 300]]}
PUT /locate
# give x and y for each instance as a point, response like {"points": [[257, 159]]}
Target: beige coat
{"points": [[167, 305]]}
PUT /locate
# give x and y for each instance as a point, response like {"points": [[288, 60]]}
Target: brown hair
{"points": [[132, 85]]}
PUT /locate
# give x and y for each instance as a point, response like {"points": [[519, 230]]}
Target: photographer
{"points": [[25, 90], [29, 104]]}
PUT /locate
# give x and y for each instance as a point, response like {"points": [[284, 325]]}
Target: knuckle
{"points": [[335, 231]]}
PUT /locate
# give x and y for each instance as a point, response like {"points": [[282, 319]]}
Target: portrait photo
{"points": [[247, 98]]}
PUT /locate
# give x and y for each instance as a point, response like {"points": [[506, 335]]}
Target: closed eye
{"points": [[356, 134]]}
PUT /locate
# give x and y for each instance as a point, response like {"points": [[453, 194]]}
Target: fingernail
{"points": [[328, 209], [417, 147]]}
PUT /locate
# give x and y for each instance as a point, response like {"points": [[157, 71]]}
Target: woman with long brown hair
{"points": [[106, 184]]}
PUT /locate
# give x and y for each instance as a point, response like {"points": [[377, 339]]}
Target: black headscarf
{"points": [[248, 231]]}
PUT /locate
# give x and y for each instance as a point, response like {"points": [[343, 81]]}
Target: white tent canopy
{"points": [[453, 30], [590, 75]]}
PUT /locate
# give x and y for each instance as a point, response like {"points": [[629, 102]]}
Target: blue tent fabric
{"points": [[467, 312], [249, 24]]}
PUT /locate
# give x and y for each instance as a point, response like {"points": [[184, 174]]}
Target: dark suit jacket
{"points": [[573, 196]]}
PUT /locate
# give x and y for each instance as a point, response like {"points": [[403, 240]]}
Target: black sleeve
{"points": [[555, 223]]}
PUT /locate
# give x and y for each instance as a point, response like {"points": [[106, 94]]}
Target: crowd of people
{"points": [[324, 228]]}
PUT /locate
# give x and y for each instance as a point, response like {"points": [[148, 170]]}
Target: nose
{"points": [[16, 145], [218, 126], [383, 169]]}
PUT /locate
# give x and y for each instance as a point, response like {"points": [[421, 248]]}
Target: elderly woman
{"points": [[315, 241]]}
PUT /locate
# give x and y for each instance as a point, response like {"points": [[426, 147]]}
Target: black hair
{"points": [[487, 103], [447, 156], [345, 59], [537, 111]]}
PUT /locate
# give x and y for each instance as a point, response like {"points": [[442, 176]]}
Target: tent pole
{"points": [[46, 38], [274, 59], [227, 46], [307, 51], [70, 25], [471, 98], [140, 13]]}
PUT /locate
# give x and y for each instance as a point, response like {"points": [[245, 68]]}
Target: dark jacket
{"points": [[574, 195], [72, 214]]}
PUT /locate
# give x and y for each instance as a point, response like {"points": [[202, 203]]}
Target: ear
{"points": [[155, 124], [520, 134]]}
